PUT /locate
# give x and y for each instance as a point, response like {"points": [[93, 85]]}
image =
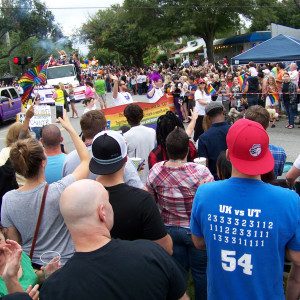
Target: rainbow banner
{"points": [[273, 97], [185, 62], [242, 81], [115, 115], [211, 90]]}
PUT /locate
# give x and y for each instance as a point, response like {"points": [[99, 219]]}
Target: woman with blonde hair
{"points": [[11, 137], [183, 99], [21, 207], [271, 88], [167, 84], [72, 101]]}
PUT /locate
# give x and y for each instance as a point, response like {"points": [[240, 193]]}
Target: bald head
{"points": [[51, 136], [85, 204]]}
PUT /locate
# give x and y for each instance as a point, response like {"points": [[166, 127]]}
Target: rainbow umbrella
{"points": [[31, 78]]}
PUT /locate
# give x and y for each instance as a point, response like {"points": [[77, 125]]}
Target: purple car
{"points": [[10, 103]]}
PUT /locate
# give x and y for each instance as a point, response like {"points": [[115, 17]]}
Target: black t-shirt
{"points": [[136, 215], [253, 84], [119, 270], [285, 89]]}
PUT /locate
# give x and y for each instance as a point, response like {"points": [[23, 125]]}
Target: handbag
{"points": [[39, 220]]}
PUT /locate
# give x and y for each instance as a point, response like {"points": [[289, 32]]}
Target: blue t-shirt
{"points": [[53, 170], [247, 225], [211, 143]]}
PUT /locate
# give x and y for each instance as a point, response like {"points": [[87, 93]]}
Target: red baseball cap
{"points": [[201, 80], [248, 147]]}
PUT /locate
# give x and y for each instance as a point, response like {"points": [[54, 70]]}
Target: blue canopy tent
{"points": [[279, 48]]}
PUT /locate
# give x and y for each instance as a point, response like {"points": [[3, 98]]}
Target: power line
{"points": [[146, 7]]}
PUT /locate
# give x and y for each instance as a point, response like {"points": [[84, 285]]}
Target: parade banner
{"points": [[115, 115], [41, 117]]}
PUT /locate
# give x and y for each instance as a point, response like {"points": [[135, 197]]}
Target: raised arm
{"points": [[190, 129], [24, 131], [82, 171], [116, 86]]}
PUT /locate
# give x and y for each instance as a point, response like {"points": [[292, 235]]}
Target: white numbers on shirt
{"points": [[229, 262]]}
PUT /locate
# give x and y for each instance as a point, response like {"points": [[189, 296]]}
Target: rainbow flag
{"points": [[115, 115], [274, 97], [185, 62], [242, 81], [211, 90]]}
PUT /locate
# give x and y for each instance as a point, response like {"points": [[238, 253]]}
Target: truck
{"points": [[65, 74]]}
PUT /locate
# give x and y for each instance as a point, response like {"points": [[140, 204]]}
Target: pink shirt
{"points": [[89, 92]]}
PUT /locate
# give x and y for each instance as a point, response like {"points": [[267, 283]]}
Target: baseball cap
{"points": [[212, 106], [109, 153], [266, 71], [248, 146], [201, 80]]}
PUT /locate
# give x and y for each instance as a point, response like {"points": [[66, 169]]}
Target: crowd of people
{"points": [[207, 199]]}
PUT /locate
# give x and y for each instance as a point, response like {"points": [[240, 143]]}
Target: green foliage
{"points": [[26, 19], [112, 30], [161, 57], [106, 57], [282, 12]]}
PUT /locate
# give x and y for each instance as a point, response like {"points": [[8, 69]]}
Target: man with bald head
{"points": [[51, 140], [107, 268]]}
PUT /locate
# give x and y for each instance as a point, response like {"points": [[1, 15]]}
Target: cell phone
{"points": [[140, 165], [59, 111]]}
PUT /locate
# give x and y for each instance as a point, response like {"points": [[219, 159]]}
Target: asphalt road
{"points": [[289, 139]]}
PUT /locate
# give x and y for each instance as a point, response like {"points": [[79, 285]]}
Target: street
{"points": [[279, 136]]}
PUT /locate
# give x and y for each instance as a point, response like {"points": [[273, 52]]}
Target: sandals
{"points": [[291, 127]]}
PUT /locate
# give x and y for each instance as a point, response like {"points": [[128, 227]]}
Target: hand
{"points": [[53, 266], [13, 253], [30, 112], [194, 114], [33, 292], [113, 77], [65, 121]]}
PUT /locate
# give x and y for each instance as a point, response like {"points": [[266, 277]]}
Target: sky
{"points": [[70, 19]]}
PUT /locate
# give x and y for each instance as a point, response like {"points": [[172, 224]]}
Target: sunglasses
{"points": [[202, 83]]}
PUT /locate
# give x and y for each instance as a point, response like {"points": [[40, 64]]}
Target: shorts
{"points": [[73, 100], [102, 97], [269, 103]]}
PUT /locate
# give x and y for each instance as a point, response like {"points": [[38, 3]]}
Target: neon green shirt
{"points": [[28, 277], [100, 86]]}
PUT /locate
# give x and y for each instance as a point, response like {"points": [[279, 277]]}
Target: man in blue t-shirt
{"points": [[246, 224], [51, 140]]}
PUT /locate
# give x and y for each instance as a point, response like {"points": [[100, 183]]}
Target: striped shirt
{"points": [[174, 189]]}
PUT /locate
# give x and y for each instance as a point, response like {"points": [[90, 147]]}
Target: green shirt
{"points": [[100, 86], [28, 277]]}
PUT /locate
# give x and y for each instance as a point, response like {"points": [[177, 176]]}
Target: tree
{"points": [[202, 18], [112, 30], [297, 2], [25, 19], [282, 12]]}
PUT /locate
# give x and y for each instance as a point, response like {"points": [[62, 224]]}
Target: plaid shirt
{"points": [[174, 189], [279, 156], [159, 154]]}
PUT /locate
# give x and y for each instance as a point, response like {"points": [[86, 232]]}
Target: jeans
{"points": [[140, 88], [188, 256], [291, 112], [36, 130], [252, 100]]}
